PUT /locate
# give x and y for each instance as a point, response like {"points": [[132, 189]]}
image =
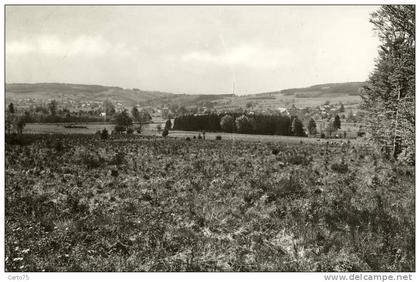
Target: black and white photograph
{"points": [[205, 138]]}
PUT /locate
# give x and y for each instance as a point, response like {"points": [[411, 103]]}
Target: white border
{"points": [[185, 277]]}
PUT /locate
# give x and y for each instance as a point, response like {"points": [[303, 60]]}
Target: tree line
{"points": [[242, 123]]}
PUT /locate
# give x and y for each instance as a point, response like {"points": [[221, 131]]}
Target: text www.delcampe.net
{"points": [[368, 277]]}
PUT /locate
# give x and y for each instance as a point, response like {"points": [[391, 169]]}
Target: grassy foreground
{"points": [[78, 203]]}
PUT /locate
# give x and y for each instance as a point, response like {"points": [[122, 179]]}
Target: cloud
{"points": [[80, 46], [245, 55]]}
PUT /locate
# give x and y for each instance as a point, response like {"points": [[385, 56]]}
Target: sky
{"points": [[190, 49]]}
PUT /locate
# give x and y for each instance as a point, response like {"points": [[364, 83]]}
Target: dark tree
{"points": [[389, 96], [165, 132], [297, 127], [168, 124], [337, 122], [136, 114], [139, 128], [227, 123], [312, 126], [123, 120], [243, 124], [341, 110], [109, 108], [104, 134], [52, 107], [20, 124], [11, 108]]}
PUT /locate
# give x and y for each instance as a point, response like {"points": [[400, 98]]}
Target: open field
{"points": [[150, 130], [92, 128], [280, 100], [258, 137], [132, 203]]}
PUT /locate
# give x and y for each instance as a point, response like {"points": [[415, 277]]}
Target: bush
{"points": [[58, 146], [340, 168], [165, 132], [15, 139], [130, 131], [91, 160], [118, 159], [104, 134], [245, 124], [227, 123], [298, 160], [119, 128], [218, 137], [139, 129]]}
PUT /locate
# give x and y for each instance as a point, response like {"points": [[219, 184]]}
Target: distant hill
{"points": [[347, 93], [326, 90], [47, 91]]}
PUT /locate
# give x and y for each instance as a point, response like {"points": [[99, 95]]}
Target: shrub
{"points": [[165, 132], [168, 124], [119, 128], [58, 146], [298, 160], [245, 124], [91, 160], [340, 167], [218, 137], [104, 134], [130, 131], [312, 126], [15, 139], [227, 123], [118, 159], [123, 119]]}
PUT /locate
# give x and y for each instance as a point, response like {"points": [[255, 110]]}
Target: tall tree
{"points": [[297, 127], [10, 116], [312, 126], [389, 96], [337, 122], [123, 120], [168, 124], [11, 108], [108, 107], [135, 113], [227, 123], [341, 109], [52, 106]]}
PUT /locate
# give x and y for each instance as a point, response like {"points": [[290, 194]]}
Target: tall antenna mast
{"points": [[233, 87]]}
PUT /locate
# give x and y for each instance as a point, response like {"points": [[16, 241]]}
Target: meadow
{"points": [[146, 203], [150, 130]]}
